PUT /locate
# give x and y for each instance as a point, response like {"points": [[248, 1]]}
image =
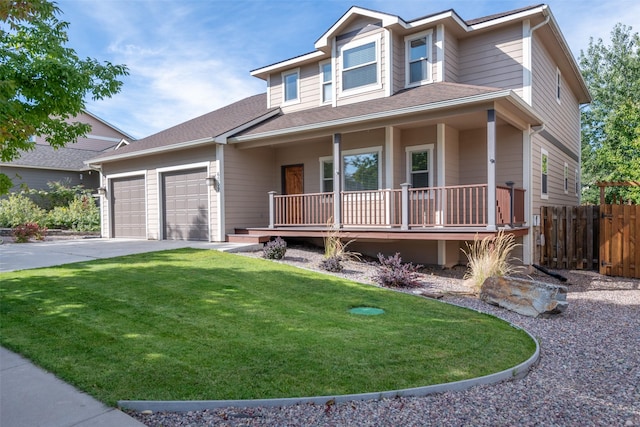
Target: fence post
{"points": [[272, 208], [405, 206]]}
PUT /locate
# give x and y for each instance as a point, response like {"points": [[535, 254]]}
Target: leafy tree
{"points": [[611, 123], [43, 82]]}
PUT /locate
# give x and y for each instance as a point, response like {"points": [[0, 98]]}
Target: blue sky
{"points": [[189, 57]]}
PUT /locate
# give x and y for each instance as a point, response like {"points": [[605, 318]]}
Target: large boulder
{"points": [[527, 297]]}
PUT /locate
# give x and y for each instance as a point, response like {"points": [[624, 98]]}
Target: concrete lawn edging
{"points": [[517, 372]]}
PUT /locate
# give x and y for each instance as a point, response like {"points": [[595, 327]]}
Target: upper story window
{"points": [[418, 65], [566, 178], [291, 86], [360, 64], [420, 166], [326, 81]]}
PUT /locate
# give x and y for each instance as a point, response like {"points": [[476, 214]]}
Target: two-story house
{"points": [[34, 169], [411, 136]]}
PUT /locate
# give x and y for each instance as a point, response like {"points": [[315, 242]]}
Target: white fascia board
{"points": [[387, 20], [263, 72], [435, 18], [154, 150], [493, 96], [222, 139], [515, 17]]}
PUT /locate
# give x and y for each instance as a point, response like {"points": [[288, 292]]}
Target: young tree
{"points": [[611, 123], [43, 82]]}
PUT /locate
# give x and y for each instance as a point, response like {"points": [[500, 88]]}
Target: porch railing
{"points": [[451, 206]]}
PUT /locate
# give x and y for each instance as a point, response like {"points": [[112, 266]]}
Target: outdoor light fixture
{"points": [[102, 191], [213, 180]]}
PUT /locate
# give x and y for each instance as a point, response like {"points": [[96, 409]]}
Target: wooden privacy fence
{"points": [[619, 239], [571, 237]]}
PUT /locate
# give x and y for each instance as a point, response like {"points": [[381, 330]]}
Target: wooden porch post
{"points": [[337, 181], [491, 170], [405, 206], [272, 209]]}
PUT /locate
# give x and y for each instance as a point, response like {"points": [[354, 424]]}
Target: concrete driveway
{"points": [[21, 256]]}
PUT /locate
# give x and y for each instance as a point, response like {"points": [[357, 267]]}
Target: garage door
{"points": [[185, 205], [128, 207]]}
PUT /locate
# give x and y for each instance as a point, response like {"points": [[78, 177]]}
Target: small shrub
{"points": [[393, 273], [489, 257], [25, 232], [275, 249], [332, 264], [17, 210], [335, 248]]}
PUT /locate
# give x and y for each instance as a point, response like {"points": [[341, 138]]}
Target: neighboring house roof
{"points": [[200, 130], [46, 157], [421, 98], [73, 156]]}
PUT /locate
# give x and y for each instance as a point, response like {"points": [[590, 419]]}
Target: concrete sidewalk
{"points": [[30, 396]]}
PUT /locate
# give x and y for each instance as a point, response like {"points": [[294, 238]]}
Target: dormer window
{"points": [[418, 64], [290, 81], [360, 64]]}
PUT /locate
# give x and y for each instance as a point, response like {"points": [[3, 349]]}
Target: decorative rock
{"points": [[526, 297]]}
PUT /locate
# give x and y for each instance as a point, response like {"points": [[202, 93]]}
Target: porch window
{"points": [[418, 61], [290, 81], [420, 166], [359, 64], [326, 166], [360, 170], [326, 81], [544, 170]]}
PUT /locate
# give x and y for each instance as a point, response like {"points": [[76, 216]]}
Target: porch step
{"points": [[247, 238]]}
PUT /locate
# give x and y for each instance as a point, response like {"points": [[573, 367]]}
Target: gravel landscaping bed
{"points": [[588, 373]]}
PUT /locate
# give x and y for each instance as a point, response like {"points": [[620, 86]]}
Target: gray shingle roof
{"points": [[208, 125], [45, 157], [421, 95]]}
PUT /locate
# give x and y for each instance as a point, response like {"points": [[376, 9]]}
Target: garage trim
{"points": [[159, 172], [107, 197]]}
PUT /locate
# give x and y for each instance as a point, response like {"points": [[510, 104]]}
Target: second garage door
{"points": [[185, 205]]}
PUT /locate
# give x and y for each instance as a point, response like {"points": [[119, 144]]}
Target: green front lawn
{"points": [[202, 325]]}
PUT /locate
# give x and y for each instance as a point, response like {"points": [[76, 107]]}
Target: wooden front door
{"points": [[293, 184]]}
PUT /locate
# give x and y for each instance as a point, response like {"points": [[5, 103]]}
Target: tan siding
{"points": [[153, 205], [473, 152], [561, 119], [508, 156], [451, 57], [400, 159], [492, 59], [398, 62], [249, 175], [452, 153]]}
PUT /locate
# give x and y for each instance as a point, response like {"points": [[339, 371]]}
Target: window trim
{"points": [[376, 39], [544, 153], [324, 83], [367, 150], [324, 160], [428, 35], [284, 75], [413, 148]]}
